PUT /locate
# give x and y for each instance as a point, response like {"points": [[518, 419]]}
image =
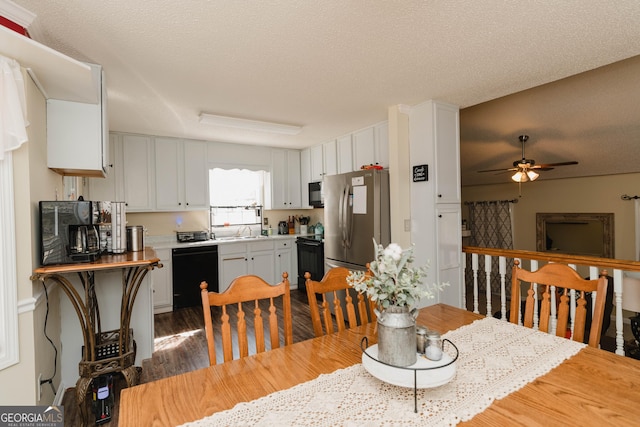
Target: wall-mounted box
{"points": [[77, 133]]}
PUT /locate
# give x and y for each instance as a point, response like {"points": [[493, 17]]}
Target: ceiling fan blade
{"points": [[551, 165], [499, 170]]}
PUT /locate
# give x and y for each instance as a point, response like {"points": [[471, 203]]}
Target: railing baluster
{"points": [[487, 271], [503, 293], [617, 288], [474, 262], [464, 275]]}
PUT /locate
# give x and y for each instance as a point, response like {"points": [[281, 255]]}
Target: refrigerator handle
{"points": [[344, 201], [348, 218]]}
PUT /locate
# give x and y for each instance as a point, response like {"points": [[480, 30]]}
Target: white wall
{"points": [[600, 194], [32, 182]]}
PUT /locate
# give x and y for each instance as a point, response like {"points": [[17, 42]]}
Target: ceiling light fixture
{"points": [[246, 124], [525, 175]]}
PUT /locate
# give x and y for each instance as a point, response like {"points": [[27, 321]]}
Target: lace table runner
{"points": [[496, 358]]}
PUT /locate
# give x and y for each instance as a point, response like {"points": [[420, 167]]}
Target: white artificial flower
{"points": [[392, 281]]}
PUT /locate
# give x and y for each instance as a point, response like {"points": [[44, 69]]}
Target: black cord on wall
{"points": [[55, 349]]}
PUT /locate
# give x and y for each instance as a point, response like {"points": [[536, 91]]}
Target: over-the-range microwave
{"points": [[316, 196]]}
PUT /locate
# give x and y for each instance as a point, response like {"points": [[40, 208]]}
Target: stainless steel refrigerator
{"points": [[356, 211]]}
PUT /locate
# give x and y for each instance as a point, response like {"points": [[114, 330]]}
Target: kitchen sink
{"points": [[241, 237]]}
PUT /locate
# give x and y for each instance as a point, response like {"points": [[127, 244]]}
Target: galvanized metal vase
{"points": [[397, 335]]}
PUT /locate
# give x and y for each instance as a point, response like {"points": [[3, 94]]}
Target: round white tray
{"points": [[404, 377]]}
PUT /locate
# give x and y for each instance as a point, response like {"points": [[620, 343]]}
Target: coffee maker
{"points": [[84, 245]]}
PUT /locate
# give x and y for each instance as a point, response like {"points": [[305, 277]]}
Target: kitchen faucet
{"points": [[243, 228]]}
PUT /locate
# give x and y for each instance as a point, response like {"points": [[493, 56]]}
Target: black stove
{"points": [[310, 258]]}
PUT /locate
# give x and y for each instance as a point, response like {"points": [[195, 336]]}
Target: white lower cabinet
{"points": [[286, 260], [163, 283], [239, 259]]}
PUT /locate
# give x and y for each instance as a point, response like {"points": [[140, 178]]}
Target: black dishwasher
{"points": [[192, 265]]}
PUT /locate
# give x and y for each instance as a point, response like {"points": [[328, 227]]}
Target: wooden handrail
{"points": [[611, 263]]}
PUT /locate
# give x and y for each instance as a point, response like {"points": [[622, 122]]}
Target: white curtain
{"points": [[13, 107], [13, 113]]}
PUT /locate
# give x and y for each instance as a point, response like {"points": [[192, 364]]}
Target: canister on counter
{"points": [[434, 346], [421, 339]]}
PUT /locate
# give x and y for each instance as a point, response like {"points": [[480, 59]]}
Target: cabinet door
{"points": [[305, 176], [278, 179], [137, 173], [162, 283], [344, 154], [196, 175], [283, 263], [262, 264], [447, 153], [294, 192], [449, 250], [330, 158], [317, 168], [167, 172], [231, 266], [364, 148], [382, 144], [105, 188]]}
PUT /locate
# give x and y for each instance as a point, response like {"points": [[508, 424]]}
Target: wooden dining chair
{"points": [[564, 279], [334, 296], [258, 297]]}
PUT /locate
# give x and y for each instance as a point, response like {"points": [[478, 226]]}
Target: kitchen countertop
{"points": [[170, 241]]}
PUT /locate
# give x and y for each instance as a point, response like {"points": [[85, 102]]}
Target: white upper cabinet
{"points": [[180, 174], [382, 144], [447, 153], [285, 179], [77, 133], [196, 175], [345, 154], [329, 158], [137, 161], [364, 147], [107, 188], [317, 167], [168, 168], [305, 175]]}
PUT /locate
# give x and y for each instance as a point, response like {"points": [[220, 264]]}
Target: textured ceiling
{"points": [[332, 66]]}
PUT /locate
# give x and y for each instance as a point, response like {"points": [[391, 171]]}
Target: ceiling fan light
{"points": [[520, 177], [533, 175]]}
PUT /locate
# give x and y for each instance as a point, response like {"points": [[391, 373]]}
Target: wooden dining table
{"points": [[594, 387]]}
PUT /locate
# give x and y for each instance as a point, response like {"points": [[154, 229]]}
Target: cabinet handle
{"points": [[439, 195], [439, 216]]}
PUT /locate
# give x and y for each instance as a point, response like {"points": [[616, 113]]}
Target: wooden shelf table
{"points": [[111, 351]]}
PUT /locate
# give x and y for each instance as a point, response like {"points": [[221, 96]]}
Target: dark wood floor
{"points": [[181, 346]]}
